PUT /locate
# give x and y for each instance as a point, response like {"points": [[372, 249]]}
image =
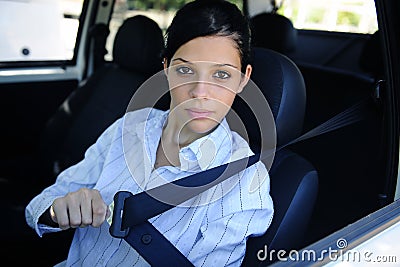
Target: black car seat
{"points": [[294, 180], [91, 108], [274, 31]]}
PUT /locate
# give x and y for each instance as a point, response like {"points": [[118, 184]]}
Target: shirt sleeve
{"points": [[222, 240], [84, 174]]}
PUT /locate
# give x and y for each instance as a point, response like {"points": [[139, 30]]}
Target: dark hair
{"points": [[209, 18]]}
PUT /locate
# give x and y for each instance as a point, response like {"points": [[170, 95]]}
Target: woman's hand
{"points": [[79, 209]]}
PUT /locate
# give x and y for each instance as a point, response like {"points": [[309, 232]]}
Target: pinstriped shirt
{"points": [[210, 229]]}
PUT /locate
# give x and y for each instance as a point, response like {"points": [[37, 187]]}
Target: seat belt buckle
{"points": [[118, 213]]}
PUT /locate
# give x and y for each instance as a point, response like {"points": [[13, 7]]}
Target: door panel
{"points": [[24, 110]]}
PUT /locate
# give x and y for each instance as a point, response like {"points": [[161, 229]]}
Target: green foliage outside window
{"points": [[348, 18], [316, 15], [156, 4], [165, 5]]}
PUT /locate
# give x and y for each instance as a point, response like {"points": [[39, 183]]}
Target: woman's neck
{"points": [[173, 138], [177, 134]]}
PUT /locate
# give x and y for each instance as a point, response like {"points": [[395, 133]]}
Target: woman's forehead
{"points": [[216, 49]]}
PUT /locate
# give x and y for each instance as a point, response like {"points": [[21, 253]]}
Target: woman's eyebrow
{"points": [[218, 65], [226, 64], [183, 60]]}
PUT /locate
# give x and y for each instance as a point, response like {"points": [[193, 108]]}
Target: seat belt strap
{"points": [[131, 212], [146, 239], [150, 203], [154, 247]]}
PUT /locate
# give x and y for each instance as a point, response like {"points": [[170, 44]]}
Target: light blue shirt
{"points": [[210, 230]]}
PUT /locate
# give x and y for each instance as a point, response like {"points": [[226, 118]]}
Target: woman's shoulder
{"points": [[130, 118], [240, 147]]}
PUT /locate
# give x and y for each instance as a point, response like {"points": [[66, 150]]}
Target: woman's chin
{"points": [[202, 125]]}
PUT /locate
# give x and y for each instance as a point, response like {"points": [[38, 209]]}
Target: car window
{"points": [[41, 30], [357, 16], [124, 9], [160, 11]]}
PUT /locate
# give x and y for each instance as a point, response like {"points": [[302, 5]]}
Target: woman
{"points": [[206, 63]]}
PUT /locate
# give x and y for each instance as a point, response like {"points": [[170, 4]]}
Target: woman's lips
{"points": [[199, 113]]}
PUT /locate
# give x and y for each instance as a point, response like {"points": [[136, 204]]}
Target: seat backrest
{"points": [[273, 31], [282, 85], [95, 105], [294, 181]]}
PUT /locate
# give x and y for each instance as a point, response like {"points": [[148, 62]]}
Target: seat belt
{"points": [[131, 212], [148, 241]]}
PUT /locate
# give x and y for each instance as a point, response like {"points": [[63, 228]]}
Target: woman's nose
{"points": [[199, 90]]}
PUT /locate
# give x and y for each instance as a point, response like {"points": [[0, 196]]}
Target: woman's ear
{"points": [[245, 78]]}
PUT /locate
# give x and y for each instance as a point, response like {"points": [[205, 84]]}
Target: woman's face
{"points": [[204, 77]]}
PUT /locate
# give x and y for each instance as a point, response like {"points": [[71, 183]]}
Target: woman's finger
{"points": [[61, 213], [86, 212], [99, 210], [74, 210]]}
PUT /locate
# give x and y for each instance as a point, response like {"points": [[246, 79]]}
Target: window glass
{"points": [[161, 11], [358, 16], [38, 30]]}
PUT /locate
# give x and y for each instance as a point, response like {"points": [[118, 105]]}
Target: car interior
{"points": [[104, 95], [319, 185], [294, 181]]}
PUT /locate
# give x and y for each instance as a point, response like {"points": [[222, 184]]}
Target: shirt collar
{"points": [[206, 152]]}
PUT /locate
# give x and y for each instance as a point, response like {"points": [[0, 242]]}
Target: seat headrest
{"points": [[138, 45], [273, 31], [371, 59], [282, 84]]}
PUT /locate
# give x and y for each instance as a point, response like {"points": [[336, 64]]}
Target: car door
{"points": [[40, 65], [355, 221], [46, 51]]}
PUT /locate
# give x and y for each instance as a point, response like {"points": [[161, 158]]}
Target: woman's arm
{"points": [[85, 174]]}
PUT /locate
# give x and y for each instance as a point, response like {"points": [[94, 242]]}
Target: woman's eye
{"points": [[222, 75], [184, 70]]}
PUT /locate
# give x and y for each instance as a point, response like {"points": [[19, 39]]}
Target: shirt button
{"points": [[146, 239]]}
